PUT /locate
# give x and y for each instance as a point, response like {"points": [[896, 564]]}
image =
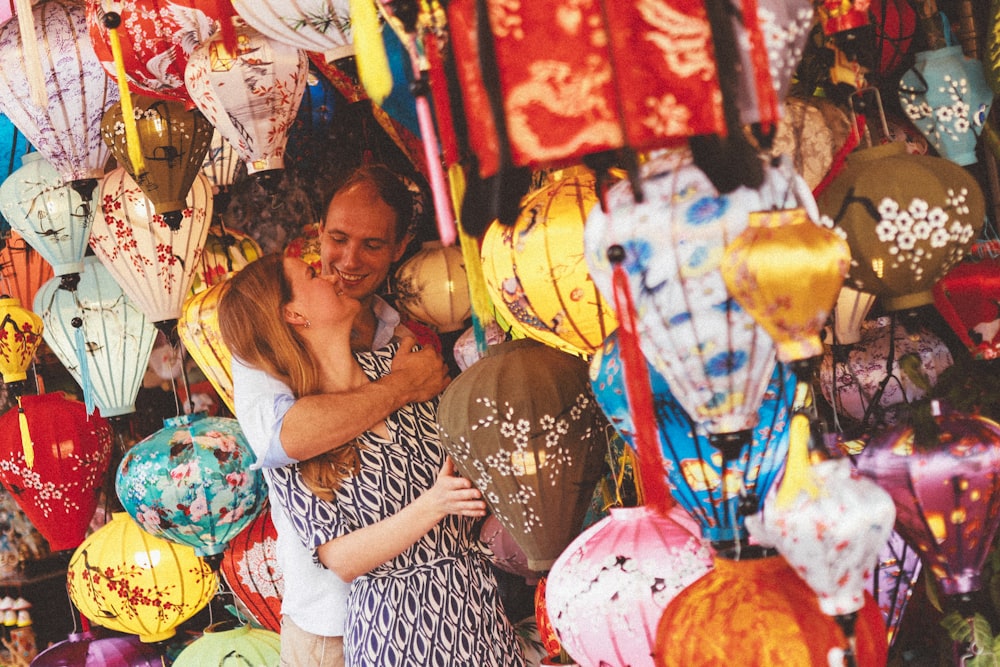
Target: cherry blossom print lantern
{"points": [[85, 649], [432, 288], [22, 268], [250, 568], [58, 480], [125, 579], [506, 553], [198, 330], [99, 335], [968, 298], [191, 483], [250, 96], [153, 262], [311, 25], [227, 642], [908, 219], [606, 592], [20, 336], [66, 131], [522, 425]]}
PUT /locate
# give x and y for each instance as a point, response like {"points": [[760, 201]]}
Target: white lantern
{"points": [[432, 287], [310, 25]]}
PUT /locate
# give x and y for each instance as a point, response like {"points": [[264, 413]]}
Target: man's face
{"points": [[359, 240]]}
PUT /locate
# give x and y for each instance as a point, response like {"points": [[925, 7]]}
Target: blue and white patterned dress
{"points": [[434, 605]]}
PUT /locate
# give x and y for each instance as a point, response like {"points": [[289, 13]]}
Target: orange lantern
{"points": [[22, 269]]}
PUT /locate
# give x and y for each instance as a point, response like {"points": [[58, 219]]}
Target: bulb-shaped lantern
{"points": [[312, 25], [173, 140], [226, 642], [968, 298], [86, 650], [431, 288], [226, 250], [250, 568], [20, 336], [198, 330]]}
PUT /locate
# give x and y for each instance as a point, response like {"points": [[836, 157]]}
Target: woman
{"points": [[388, 511]]}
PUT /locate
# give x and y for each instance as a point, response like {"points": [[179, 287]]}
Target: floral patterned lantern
{"points": [[198, 330], [223, 643], [22, 269], [125, 579], [523, 426], [250, 568], [312, 25], [20, 336], [221, 163], [535, 273], [57, 478], [99, 335], [84, 649], [431, 287], [153, 262], [506, 553], [226, 250], [908, 230], [250, 96], [967, 298], [607, 590], [191, 483], [51, 216]]}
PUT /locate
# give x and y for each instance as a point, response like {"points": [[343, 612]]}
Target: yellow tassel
{"points": [[128, 113], [479, 297], [32, 58], [26, 444], [798, 476], [369, 50]]}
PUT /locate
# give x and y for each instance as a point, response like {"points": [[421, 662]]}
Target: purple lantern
{"points": [[86, 650], [891, 584]]}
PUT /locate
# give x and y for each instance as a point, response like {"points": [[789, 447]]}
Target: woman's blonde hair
{"points": [[253, 326]]}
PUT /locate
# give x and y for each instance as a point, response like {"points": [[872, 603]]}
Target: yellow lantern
{"points": [[198, 329], [20, 335], [432, 288], [225, 250], [125, 579], [535, 270]]}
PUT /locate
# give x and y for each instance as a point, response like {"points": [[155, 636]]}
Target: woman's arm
{"points": [[363, 550]]}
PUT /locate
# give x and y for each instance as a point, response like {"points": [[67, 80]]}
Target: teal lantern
{"points": [[191, 483], [224, 644]]}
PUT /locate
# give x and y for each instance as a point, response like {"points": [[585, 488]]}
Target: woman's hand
{"points": [[454, 495]]}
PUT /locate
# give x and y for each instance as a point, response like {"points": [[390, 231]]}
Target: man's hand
{"points": [[422, 374]]}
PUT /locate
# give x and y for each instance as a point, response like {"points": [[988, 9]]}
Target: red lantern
{"points": [[250, 568], [968, 298], [56, 478]]}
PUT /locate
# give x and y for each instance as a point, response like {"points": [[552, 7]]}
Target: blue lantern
{"points": [[13, 145], [191, 483], [709, 488]]}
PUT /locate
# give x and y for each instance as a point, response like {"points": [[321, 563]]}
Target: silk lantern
{"points": [[312, 25], [968, 298], [198, 330], [908, 219], [714, 491], [896, 571], [174, 141], [191, 483], [250, 96], [431, 287], [99, 335], [226, 250], [522, 425], [250, 568], [85, 649], [221, 164], [125, 579], [225, 642], [849, 314], [22, 268], [153, 262], [57, 479], [607, 590], [535, 271], [20, 336], [505, 552], [812, 131]]}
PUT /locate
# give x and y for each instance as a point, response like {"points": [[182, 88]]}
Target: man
{"points": [[366, 229]]}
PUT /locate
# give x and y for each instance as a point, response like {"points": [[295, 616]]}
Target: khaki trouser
{"points": [[304, 649]]}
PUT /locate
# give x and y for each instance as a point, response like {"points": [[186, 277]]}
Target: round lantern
{"points": [[221, 163], [223, 643], [535, 271], [198, 330], [174, 141], [849, 314], [250, 96], [431, 288], [125, 579], [908, 219], [191, 483], [51, 216], [22, 268], [20, 336], [505, 552], [250, 568], [225, 251], [607, 590], [312, 25], [153, 262], [757, 612], [87, 650], [56, 470], [523, 426], [66, 131], [968, 298], [99, 335]]}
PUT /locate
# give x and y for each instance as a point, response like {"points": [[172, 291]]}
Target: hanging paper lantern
{"points": [[221, 163], [223, 643], [535, 272], [225, 251], [757, 612], [22, 269], [947, 493], [66, 131], [251, 96], [968, 298], [710, 489], [99, 335], [57, 478], [198, 329], [191, 483], [85, 649], [849, 314], [174, 142], [431, 288], [20, 336], [908, 229], [153, 262], [13, 147], [250, 568], [892, 581], [125, 579], [312, 25], [522, 425], [895, 24], [607, 590]]}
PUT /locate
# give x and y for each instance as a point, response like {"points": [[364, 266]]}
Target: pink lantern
{"points": [[608, 589], [507, 554]]}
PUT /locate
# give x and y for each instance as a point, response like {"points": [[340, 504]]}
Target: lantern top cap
{"points": [[183, 420]]}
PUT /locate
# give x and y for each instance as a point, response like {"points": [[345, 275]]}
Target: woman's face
{"points": [[317, 298]]}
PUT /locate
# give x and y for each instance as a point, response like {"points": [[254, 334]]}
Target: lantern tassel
{"points": [[798, 477], [369, 51], [111, 21], [32, 58], [81, 353], [26, 444]]}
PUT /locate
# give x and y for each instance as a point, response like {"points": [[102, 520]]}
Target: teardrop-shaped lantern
{"points": [[849, 313], [310, 25], [174, 141], [154, 263], [86, 650], [99, 335], [22, 268], [51, 216], [250, 96], [191, 483], [250, 568], [431, 287], [226, 250], [125, 579], [225, 642], [20, 336], [221, 163], [968, 298], [66, 130], [907, 231], [198, 329]]}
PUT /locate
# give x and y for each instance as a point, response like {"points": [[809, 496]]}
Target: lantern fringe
{"points": [[132, 142], [369, 51], [26, 443], [32, 58], [81, 354]]}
